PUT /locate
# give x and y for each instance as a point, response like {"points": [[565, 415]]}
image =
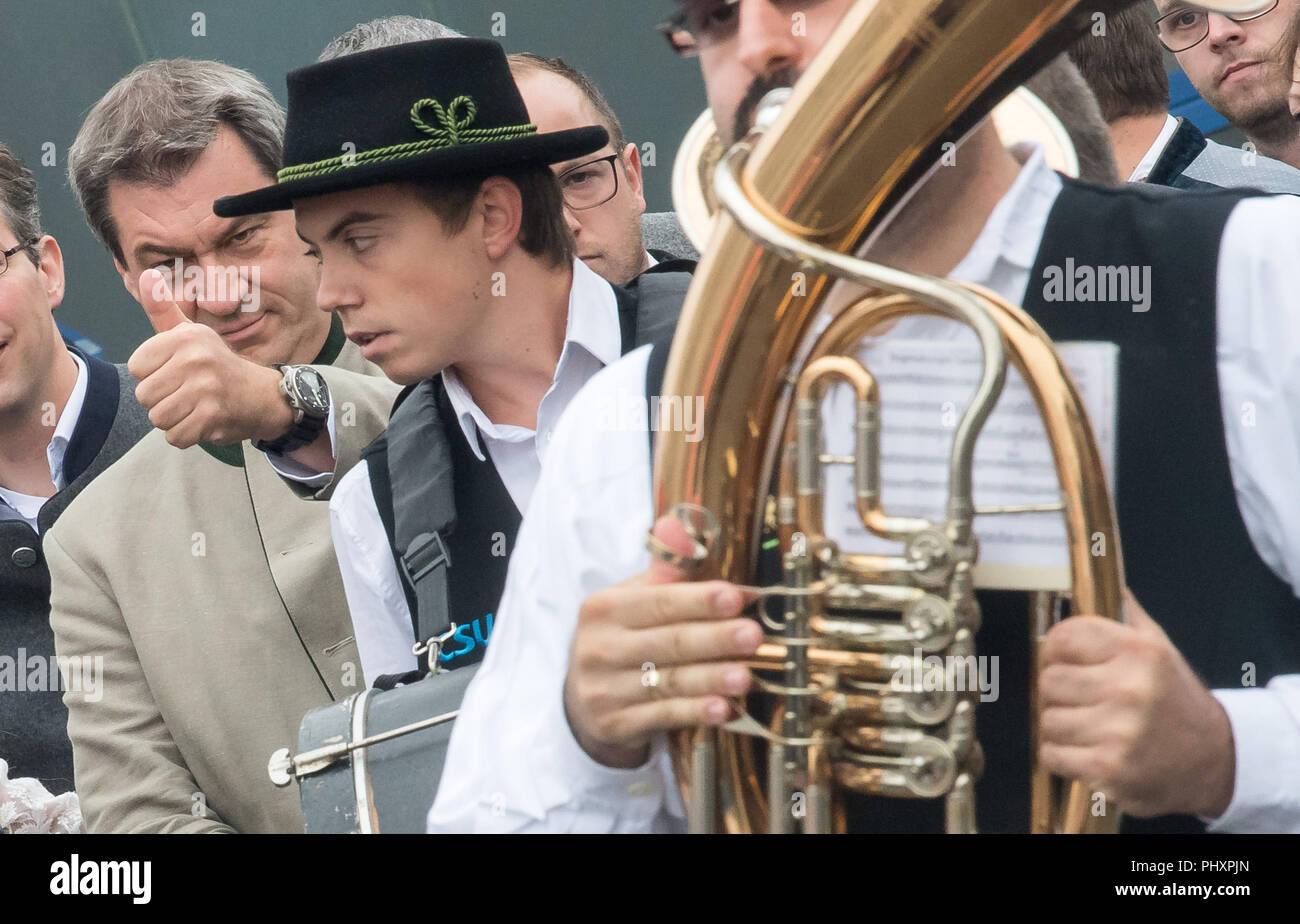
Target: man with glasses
{"points": [[1125, 68], [462, 281], [1242, 65], [603, 193], [64, 418], [603, 645]]}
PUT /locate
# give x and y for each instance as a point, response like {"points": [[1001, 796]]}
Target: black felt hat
{"points": [[423, 110]]}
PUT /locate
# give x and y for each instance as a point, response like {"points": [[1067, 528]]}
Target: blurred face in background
{"points": [[749, 48]]}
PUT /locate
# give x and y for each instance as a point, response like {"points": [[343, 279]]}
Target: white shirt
{"points": [[380, 616], [26, 507], [513, 763], [1149, 159]]}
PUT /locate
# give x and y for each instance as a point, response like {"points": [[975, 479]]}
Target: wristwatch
{"points": [[309, 399]]}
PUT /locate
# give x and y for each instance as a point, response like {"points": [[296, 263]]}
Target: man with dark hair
{"points": [[1125, 67], [604, 644], [1241, 64], [1062, 89], [453, 268], [604, 214], [64, 418], [217, 607]]}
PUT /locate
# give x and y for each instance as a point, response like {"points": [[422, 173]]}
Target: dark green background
{"points": [[57, 57]]}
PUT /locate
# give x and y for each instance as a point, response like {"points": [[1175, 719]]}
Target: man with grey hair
{"points": [[64, 418], [382, 33], [217, 609]]}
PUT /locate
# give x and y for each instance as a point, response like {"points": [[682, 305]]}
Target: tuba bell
{"points": [[819, 175]]}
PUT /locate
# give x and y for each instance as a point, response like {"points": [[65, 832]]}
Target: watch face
{"points": [[313, 391]]}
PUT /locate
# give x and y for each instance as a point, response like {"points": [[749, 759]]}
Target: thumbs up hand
{"points": [[195, 388]]}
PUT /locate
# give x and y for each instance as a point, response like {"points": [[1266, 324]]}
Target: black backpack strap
{"points": [[424, 506], [410, 472], [376, 459]]}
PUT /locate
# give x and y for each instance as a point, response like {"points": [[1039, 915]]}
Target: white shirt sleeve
{"points": [[1266, 738], [1259, 373], [381, 619], [294, 470], [1259, 382], [513, 764]]}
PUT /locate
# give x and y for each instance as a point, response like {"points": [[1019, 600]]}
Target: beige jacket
{"points": [[211, 594]]}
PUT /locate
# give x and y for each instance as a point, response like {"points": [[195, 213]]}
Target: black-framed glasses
{"points": [[1185, 28], [6, 254], [591, 184]]}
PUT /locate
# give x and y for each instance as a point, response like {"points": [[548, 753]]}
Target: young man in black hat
{"points": [[445, 252]]}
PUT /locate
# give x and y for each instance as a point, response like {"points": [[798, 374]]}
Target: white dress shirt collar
{"points": [[1009, 242], [1148, 161], [592, 327], [63, 430]]}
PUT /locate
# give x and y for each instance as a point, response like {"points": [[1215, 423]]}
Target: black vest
{"points": [[1187, 555]]}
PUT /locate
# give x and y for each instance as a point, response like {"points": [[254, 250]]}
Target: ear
{"points": [[129, 279], [502, 210], [632, 168], [52, 270]]}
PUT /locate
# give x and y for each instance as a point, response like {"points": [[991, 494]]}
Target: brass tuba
{"points": [[804, 191]]}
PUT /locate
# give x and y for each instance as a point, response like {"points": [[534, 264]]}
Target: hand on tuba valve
{"points": [[654, 654]]}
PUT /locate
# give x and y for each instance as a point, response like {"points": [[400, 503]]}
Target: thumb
{"points": [[672, 533], [158, 303]]}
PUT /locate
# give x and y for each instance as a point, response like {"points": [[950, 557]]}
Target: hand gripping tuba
{"points": [[897, 80]]}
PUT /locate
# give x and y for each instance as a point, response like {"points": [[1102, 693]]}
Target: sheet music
{"points": [[925, 386]]}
